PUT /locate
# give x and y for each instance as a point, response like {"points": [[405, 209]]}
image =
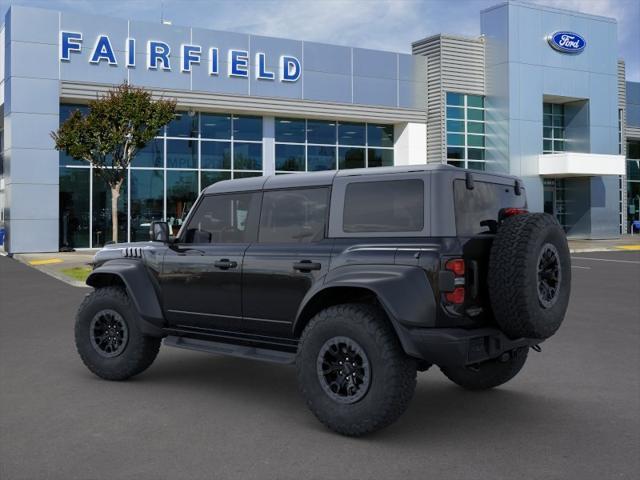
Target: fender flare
{"points": [[140, 288], [403, 291]]}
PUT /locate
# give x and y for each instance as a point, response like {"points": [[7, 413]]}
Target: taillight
{"points": [[456, 297], [456, 266], [510, 212]]}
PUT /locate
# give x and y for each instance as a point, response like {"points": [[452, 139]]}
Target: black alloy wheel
{"points": [[343, 370]]}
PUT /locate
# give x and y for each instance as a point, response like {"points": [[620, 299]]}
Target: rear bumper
{"points": [[458, 346]]}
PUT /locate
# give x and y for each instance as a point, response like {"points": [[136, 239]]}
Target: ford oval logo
{"points": [[567, 42]]}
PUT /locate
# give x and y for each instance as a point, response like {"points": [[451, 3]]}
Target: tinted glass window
{"points": [[209, 178], [384, 206], [224, 219], [351, 133], [215, 155], [380, 158], [289, 130], [184, 125], [247, 128], [182, 191], [379, 135], [182, 154], [247, 156], [482, 205], [349, 157], [320, 131], [321, 158], [294, 216], [151, 155], [215, 126], [290, 157]]}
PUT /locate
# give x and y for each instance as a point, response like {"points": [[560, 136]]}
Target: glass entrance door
{"points": [[555, 200]]}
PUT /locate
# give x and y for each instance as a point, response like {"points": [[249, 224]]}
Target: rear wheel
{"points": [[488, 374], [352, 370], [108, 338]]}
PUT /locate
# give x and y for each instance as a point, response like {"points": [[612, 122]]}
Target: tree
{"points": [[117, 126]]}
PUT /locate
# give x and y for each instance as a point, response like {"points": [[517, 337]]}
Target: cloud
{"points": [[378, 24]]}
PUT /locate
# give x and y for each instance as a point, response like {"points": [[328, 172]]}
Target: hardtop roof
{"points": [[324, 178]]}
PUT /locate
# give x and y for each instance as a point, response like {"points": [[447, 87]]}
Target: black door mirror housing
{"points": [[159, 232]]}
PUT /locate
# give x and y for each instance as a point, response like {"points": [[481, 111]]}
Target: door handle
{"points": [[306, 266], [225, 264]]}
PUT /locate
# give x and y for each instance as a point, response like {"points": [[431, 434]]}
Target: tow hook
{"points": [[536, 348]]}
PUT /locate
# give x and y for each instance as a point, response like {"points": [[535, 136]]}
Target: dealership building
{"points": [[540, 94]]}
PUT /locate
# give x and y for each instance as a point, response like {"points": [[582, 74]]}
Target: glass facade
{"points": [[633, 183], [465, 130], [192, 152], [196, 150], [313, 145], [553, 138]]}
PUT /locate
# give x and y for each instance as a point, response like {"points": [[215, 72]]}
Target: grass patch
{"points": [[77, 273]]}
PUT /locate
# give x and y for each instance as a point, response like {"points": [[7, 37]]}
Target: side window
{"points": [[227, 218], [384, 206], [294, 216]]}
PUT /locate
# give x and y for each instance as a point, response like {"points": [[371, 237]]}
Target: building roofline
{"points": [[519, 3], [447, 35]]}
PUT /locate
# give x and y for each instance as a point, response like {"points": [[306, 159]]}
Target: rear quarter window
{"points": [[476, 209], [384, 206]]}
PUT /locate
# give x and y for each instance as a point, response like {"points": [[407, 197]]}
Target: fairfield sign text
{"points": [[159, 57]]}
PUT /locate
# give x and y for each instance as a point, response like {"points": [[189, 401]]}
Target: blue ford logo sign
{"points": [[567, 42]]}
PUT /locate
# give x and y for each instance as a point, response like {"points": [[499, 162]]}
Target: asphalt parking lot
{"points": [[572, 413]]}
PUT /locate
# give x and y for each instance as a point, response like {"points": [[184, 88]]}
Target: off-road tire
{"points": [[488, 374], [393, 373], [139, 352], [514, 279]]}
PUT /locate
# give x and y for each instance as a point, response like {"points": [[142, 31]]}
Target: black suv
{"points": [[359, 277]]}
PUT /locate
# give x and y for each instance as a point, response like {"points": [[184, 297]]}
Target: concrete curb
{"points": [[56, 275], [591, 250]]}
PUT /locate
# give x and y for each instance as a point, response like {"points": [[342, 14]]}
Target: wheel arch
{"points": [[402, 292], [136, 281]]}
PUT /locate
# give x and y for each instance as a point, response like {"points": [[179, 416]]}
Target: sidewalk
{"points": [[624, 243], [73, 267], [70, 267]]}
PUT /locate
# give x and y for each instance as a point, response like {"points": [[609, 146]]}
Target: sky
{"points": [[378, 24]]}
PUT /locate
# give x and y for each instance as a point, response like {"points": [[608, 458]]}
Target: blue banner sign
{"points": [[159, 57]]}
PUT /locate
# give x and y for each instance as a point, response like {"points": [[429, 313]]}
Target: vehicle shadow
{"points": [[438, 410]]}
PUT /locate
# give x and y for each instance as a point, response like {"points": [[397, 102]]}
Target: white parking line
{"points": [[578, 266], [606, 260]]}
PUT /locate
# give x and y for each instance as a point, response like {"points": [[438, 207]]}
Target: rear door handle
{"points": [[225, 264], [306, 266]]}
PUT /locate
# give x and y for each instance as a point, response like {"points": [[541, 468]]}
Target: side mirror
{"points": [[159, 232]]}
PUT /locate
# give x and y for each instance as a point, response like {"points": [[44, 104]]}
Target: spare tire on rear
{"points": [[529, 276]]}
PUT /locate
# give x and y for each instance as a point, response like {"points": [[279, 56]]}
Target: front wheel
{"points": [[108, 338], [488, 374], [352, 370]]}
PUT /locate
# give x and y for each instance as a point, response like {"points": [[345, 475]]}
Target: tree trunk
{"points": [[115, 194]]}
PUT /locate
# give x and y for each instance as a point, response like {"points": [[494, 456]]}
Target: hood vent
{"points": [[132, 252]]}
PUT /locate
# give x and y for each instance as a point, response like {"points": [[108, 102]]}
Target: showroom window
{"points": [[314, 145], [465, 130], [195, 150], [633, 182], [553, 138]]}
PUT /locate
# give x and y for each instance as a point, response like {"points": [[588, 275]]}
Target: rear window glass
{"points": [[477, 210], [384, 206]]}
